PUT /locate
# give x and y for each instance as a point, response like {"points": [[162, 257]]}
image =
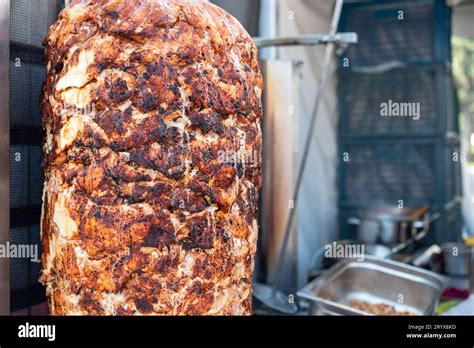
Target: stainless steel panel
{"points": [[280, 129], [457, 259], [375, 281], [4, 153]]}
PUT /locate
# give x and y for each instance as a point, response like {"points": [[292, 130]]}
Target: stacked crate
{"points": [[403, 56], [29, 23]]}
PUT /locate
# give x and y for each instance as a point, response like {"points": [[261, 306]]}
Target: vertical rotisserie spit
{"points": [[152, 159]]}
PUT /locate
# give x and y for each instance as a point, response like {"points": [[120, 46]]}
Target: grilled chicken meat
{"points": [[152, 159]]}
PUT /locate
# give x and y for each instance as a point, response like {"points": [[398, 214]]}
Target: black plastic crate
{"points": [[35, 178], [346, 230], [19, 164], [25, 90], [422, 36], [24, 272], [362, 96], [417, 172], [26, 177], [30, 20], [19, 274]]}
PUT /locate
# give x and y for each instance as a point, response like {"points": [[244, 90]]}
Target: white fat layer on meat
{"points": [[81, 256], [125, 156], [211, 217], [209, 138], [184, 98], [110, 301], [103, 152], [239, 270], [156, 146], [257, 90], [253, 236], [55, 245], [237, 243], [241, 152], [43, 207], [56, 29], [193, 173], [73, 299], [77, 9], [67, 227], [237, 63], [179, 297], [71, 51], [237, 309], [125, 105], [145, 207], [221, 298], [138, 116], [69, 131], [48, 146], [176, 223], [185, 268], [180, 123]]}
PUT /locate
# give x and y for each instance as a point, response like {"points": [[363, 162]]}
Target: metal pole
{"points": [[307, 40], [4, 153], [321, 84]]}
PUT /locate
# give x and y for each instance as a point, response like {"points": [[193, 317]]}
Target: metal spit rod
{"points": [[329, 49], [307, 40]]}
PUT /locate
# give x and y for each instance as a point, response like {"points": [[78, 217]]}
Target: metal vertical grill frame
{"points": [[398, 158]]}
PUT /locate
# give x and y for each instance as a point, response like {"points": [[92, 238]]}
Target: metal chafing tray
{"points": [[376, 281]]}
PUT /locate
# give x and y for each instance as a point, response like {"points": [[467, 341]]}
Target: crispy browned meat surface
{"points": [[146, 103], [377, 308]]}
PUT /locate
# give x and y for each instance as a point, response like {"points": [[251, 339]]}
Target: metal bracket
{"points": [[308, 40]]}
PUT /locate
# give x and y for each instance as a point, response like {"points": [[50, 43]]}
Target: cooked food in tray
{"points": [[377, 308]]}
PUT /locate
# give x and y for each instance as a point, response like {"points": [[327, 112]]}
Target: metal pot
{"points": [[457, 259], [389, 225]]}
